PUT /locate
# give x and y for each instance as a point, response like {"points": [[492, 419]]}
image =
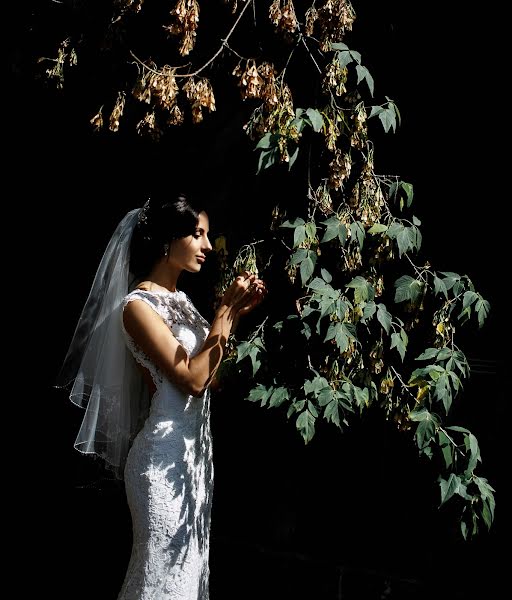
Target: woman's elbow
{"points": [[192, 388]]}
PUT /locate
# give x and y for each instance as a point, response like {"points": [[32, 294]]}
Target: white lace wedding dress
{"points": [[169, 473]]}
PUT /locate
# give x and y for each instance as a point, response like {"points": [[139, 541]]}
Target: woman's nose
{"points": [[208, 246]]}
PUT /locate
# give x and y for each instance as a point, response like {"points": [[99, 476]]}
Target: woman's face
{"points": [[189, 253]]}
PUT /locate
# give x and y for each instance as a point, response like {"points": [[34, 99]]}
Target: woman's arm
{"points": [[192, 375]]}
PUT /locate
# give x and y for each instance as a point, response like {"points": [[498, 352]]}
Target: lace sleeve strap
{"points": [[152, 300]]}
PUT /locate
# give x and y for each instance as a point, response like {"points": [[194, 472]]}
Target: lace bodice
{"points": [[169, 472], [182, 318]]}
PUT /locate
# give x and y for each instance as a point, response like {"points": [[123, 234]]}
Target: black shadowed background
{"points": [[352, 516]]}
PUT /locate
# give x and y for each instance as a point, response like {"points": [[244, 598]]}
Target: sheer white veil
{"points": [[102, 372]]}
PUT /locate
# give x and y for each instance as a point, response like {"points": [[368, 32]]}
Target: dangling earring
{"points": [[166, 249]]}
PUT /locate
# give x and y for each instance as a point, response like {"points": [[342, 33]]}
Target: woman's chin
{"points": [[194, 268]]}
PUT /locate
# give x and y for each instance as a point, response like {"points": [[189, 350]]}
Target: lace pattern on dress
{"points": [[169, 473]]}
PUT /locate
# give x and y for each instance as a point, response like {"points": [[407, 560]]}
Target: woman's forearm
{"points": [[203, 366]]}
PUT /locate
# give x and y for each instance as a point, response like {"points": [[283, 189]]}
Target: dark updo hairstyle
{"points": [[161, 220]]}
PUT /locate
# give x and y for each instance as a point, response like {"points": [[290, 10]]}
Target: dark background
{"points": [[352, 516]]}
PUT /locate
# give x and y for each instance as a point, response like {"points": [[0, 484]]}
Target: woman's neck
{"points": [[163, 277]]}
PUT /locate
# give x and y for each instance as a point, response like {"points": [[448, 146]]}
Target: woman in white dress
{"points": [[161, 446]]}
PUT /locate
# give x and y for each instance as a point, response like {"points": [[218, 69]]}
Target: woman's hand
{"points": [[244, 294]]}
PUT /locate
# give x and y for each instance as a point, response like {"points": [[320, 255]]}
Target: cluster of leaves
{"points": [[360, 314]]}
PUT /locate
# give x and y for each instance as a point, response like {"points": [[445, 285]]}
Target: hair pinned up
{"points": [[161, 220]]}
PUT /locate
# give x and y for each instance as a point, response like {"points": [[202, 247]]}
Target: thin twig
{"points": [[311, 55], [209, 61], [224, 42]]}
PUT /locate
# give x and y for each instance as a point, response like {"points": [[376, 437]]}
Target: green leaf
{"points": [[267, 141], [326, 276], [468, 298], [338, 46], [267, 159], [312, 409], [363, 73], [428, 354], [442, 391], [420, 414], [306, 425], [407, 288], [325, 396], [356, 56], [315, 386], [388, 119], [357, 232], [368, 311], [260, 393], [344, 58], [299, 235], [384, 317], [449, 487], [482, 308], [424, 432], [331, 412], [409, 191], [375, 111], [404, 241], [295, 223], [446, 448], [243, 350], [332, 230], [397, 342], [293, 158], [377, 228], [307, 266], [298, 256], [310, 230], [317, 121], [254, 356], [440, 287], [361, 396], [279, 395]]}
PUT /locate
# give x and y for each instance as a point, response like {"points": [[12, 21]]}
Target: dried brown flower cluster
{"points": [[185, 22], [233, 4], [117, 112], [282, 15], [200, 95], [65, 56], [257, 82], [125, 6], [359, 135], [339, 169], [332, 20], [335, 77]]}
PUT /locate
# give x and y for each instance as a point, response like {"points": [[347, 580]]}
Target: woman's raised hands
{"points": [[244, 294]]}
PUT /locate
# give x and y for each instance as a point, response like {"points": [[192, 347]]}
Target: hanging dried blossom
{"points": [[185, 22], [125, 6], [200, 95], [335, 18], [360, 129], [311, 16], [148, 126], [339, 169], [335, 78], [164, 87], [233, 4], [117, 112], [65, 57], [97, 120], [282, 15]]}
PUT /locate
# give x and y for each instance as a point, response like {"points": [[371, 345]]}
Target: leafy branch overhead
{"points": [[363, 323]]}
